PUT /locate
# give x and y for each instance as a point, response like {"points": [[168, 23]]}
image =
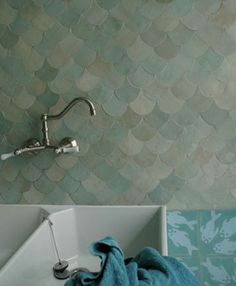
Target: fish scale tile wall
{"points": [[162, 75]]}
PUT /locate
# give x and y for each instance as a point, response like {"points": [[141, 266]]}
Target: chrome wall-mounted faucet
{"points": [[67, 145]]}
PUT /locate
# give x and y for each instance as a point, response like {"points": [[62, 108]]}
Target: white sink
{"points": [[75, 228]]}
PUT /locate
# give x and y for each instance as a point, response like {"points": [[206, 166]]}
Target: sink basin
{"points": [[75, 228]]}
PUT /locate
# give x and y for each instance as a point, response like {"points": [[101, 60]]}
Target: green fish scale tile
{"points": [[210, 60], [161, 76], [19, 26], [103, 147], [138, 23], [5, 124], [9, 39], [143, 131], [83, 197]]}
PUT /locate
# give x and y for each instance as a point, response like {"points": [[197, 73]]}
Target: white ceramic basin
{"points": [[75, 228]]}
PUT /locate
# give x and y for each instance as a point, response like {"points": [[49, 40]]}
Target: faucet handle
{"points": [[73, 149], [7, 155]]}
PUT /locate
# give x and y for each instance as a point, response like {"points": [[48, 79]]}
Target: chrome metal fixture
{"points": [[60, 268], [67, 145]]}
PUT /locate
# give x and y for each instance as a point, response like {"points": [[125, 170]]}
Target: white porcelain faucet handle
{"points": [[7, 155]]}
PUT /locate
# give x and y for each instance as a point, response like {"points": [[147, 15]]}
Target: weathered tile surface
{"points": [[162, 77]]}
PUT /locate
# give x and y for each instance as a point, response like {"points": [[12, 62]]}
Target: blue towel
{"points": [[148, 268]]}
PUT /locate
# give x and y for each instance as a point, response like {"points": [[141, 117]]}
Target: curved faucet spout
{"points": [[70, 105], [46, 117]]}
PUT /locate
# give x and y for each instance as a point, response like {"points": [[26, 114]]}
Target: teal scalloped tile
{"points": [[198, 102], [170, 130], [186, 116], [103, 121], [194, 20], [169, 103], [110, 26], [173, 182], [170, 74], [7, 14], [131, 171], [103, 147], [173, 156], [32, 36], [98, 40], [99, 67], [118, 184], [113, 79], [2, 29], [84, 56], [127, 92], [42, 21], [227, 155], [181, 7], [82, 197], [210, 60], [5, 124], [89, 133], [139, 50], [71, 71], [48, 98], [143, 131], [129, 119], [101, 94], [181, 34], [130, 145], [44, 185], [114, 107], [153, 36], [86, 81], [227, 129], [167, 49], [80, 6], [33, 196], [19, 26], [125, 37], [46, 73], [11, 196], [69, 17], [112, 53], [160, 195], [125, 65], [30, 10], [116, 133], [108, 4], [151, 9], [79, 172], [30, 172], [138, 22], [154, 64], [145, 158], [54, 7], [18, 4], [8, 39], [69, 181], [140, 77], [156, 118], [184, 89], [105, 171], [214, 115], [56, 197], [187, 169], [96, 14]]}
